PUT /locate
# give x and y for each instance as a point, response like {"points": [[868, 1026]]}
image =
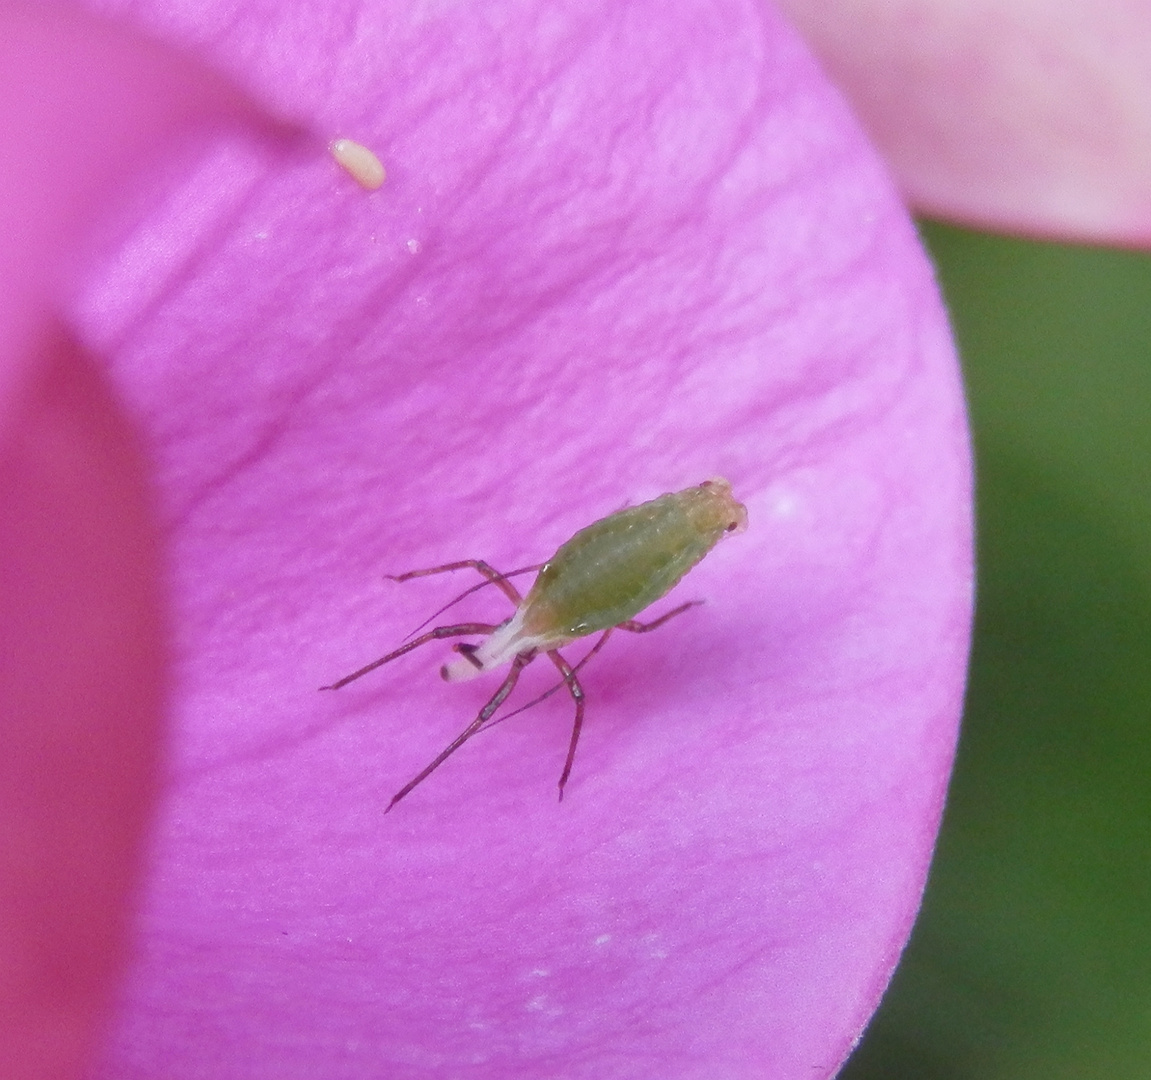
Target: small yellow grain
{"points": [[361, 164]]}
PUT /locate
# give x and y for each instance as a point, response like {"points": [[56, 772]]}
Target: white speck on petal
{"points": [[656, 950], [603, 939], [784, 504], [543, 1004], [414, 247], [361, 164]]}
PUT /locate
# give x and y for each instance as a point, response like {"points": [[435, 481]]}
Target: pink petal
{"points": [[621, 248], [81, 645], [79, 702], [1032, 117]]}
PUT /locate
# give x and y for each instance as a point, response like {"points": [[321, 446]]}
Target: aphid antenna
{"points": [[485, 714], [463, 596]]}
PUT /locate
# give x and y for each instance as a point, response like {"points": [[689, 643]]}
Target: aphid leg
{"points": [[464, 594], [493, 575], [485, 714], [432, 635], [634, 626], [573, 685], [558, 686]]}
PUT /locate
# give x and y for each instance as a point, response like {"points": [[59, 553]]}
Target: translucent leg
{"points": [[635, 627], [432, 635], [493, 576], [484, 715], [558, 686], [573, 685], [631, 625]]}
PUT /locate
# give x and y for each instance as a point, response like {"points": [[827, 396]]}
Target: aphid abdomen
{"points": [[610, 571]]}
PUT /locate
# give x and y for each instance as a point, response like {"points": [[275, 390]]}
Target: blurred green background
{"points": [[1032, 954]]}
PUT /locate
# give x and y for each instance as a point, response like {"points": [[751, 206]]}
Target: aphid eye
{"points": [[731, 526]]}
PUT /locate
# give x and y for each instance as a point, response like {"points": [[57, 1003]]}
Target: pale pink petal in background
{"points": [[621, 248], [1025, 115]]}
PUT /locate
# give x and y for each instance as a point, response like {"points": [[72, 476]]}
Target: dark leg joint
{"points": [[468, 652]]}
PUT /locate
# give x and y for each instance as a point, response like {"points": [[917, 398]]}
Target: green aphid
{"points": [[597, 582]]}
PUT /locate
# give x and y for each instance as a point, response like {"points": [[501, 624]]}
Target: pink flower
{"points": [[621, 248]]}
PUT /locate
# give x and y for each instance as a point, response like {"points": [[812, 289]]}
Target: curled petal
{"points": [[82, 645]]}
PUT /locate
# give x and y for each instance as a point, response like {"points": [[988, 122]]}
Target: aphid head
{"points": [[729, 515]]}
